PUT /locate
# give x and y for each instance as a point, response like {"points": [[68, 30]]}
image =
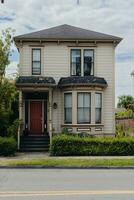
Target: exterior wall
{"points": [[105, 68], [55, 62]]}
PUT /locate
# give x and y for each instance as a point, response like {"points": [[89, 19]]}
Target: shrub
{"points": [[120, 131], [8, 146], [12, 130], [64, 145]]}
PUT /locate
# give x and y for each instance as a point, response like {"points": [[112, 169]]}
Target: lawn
{"points": [[70, 162]]}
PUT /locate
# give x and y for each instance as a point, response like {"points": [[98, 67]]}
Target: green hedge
{"points": [[8, 146], [64, 145]]}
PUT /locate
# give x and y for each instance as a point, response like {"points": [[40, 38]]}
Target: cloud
{"points": [[111, 17]]}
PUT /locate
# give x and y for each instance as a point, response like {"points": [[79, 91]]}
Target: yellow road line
{"points": [[65, 193]]}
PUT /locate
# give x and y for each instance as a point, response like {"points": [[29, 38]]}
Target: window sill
{"points": [[81, 125]]}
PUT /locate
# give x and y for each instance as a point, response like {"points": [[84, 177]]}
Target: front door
{"points": [[35, 117]]}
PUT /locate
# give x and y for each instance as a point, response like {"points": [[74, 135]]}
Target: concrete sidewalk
{"points": [[41, 155]]}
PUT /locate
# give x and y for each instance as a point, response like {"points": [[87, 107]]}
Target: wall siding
{"points": [[105, 68]]}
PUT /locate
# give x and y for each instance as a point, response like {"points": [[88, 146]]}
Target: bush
{"points": [[8, 146], [64, 145], [12, 130]]}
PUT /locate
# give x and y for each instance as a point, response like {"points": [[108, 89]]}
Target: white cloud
{"points": [[112, 17]]}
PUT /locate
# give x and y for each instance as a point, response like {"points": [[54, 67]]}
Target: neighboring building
{"points": [[67, 80]]}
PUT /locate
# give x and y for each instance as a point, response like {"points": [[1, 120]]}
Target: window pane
{"points": [[36, 54], [98, 115], [36, 68], [98, 100], [68, 108], [88, 62], [76, 62], [84, 111], [86, 100]]}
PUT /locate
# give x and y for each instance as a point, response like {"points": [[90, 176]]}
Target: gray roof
{"points": [[82, 81], [35, 80], [66, 32]]}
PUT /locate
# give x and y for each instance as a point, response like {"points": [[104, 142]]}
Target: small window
{"points": [[36, 61], [88, 62], [68, 108], [98, 107], [75, 62], [84, 108]]}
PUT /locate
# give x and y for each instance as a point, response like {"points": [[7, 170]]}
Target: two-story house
{"points": [[66, 80]]}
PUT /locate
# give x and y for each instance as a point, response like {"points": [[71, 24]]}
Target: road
{"points": [[67, 184]]}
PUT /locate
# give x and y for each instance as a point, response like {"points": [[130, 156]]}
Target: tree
{"points": [[8, 90], [126, 101]]}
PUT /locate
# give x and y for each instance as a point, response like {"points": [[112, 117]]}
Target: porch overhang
{"points": [[35, 82], [87, 81]]}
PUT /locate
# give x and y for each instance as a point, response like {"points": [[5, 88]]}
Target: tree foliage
{"points": [[8, 92], [126, 101]]}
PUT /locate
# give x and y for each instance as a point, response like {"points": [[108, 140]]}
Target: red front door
{"points": [[35, 117]]}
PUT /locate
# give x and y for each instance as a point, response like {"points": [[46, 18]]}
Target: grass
{"points": [[70, 162]]}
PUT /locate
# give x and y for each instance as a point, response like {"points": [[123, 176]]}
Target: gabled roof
{"points": [[67, 32], [82, 81]]}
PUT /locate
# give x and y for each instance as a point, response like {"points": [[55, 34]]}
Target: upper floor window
{"points": [[68, 107], [36, 61], [75, 62], [82, 62], [84, 108], [88, 62], [98, 107]]}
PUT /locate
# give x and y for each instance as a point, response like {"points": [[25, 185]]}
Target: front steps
{"points": [[37, 143]]}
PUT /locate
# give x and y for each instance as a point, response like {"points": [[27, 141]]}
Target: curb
{"points": [[46, 167]]}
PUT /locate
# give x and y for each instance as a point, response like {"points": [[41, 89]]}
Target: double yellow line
{"points": [[65, 193]]}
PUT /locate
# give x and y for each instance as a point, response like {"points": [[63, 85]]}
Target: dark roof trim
{"points": [[82, 81], [36, 81]]}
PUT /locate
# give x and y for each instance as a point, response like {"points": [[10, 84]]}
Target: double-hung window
{"points": [[75, 62], [98, 108], [88, 62], [68, 108], [36, 61], [84, 108]]}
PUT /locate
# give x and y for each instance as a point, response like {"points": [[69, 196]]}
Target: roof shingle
{"points": [[82, 81], [66, 32]]}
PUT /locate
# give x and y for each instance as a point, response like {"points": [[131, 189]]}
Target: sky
{"points": [[114, 17]]}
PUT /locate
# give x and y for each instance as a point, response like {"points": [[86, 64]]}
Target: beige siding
{"points": [[25, 65], [105, 68], [56, 61]]}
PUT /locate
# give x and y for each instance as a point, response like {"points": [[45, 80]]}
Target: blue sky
{"points": [[114, 17]]}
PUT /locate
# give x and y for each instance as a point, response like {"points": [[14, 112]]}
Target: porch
{"points": [[35, 111]]}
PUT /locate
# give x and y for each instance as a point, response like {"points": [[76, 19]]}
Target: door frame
{"points": [[42, 121]]}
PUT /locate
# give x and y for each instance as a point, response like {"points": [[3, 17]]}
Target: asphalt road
{"points": [[63, 184]]}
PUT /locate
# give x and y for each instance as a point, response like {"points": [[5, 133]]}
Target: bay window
{"points": [[36, 61], [75, 62], [68, 107], [98, 107], [83, 108]]}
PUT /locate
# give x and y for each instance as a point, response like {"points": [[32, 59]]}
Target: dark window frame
{"points": [[84, 107], [91, 62], [73, 62], [65, 122], [36, 62], [100, 109]]}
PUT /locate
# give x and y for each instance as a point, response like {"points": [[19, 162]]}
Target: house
{"points": [[66, 80]]}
